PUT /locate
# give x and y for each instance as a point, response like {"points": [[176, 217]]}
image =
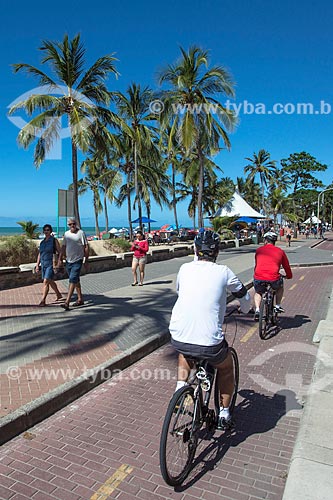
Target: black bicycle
{"points": [[188, 412], [267, 313]]}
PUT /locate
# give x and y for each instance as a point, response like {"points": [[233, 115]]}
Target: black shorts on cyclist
{"points": [[260, 285]]}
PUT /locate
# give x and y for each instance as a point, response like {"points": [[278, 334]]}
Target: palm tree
{"points": [[260, 164], [250, 191], [280, 179], [154, 183], [83, 95], [173, 156], [188, 188], [217, 193], [197, 119], [99, 178], [126, 166], [134, 110], [29, 228], [276, 202]]}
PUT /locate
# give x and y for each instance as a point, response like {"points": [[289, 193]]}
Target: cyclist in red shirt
{"points": [[268, 261]]}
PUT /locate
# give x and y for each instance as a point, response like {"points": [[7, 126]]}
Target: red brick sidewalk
{"points": [[22, 300], [35, 379]]}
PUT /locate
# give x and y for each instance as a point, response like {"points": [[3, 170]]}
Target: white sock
{"points": [[278, 305], [224, 413], [180, 383], [257, 310]]}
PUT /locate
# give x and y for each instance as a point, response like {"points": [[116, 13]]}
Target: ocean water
{"points": [[89, 230], [11, 231]]}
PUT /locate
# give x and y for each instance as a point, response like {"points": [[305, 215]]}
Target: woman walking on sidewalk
{"points": [[140, 247], [47, 248]]}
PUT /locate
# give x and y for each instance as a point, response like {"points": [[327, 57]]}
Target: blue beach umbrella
{"points": [[143, 220]]}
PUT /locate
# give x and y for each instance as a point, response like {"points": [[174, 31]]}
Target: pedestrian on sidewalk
{"points": [[75, 247], [140, 247], [48, 247], [288, 233]]}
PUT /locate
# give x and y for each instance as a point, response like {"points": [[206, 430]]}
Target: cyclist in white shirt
{"points": [[197, 316]]}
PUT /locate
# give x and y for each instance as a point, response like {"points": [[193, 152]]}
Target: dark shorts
{"points": [[47, 272], [288, 236], [73, 271], [260, 285], [215, 354]]}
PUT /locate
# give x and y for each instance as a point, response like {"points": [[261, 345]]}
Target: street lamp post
{"points": [[319, 195]]}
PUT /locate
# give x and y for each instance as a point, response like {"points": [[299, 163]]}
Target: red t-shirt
{"points": [[269, 260], [140, 252]]}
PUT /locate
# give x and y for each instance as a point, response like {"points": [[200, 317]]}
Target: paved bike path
{"points": [[106, 443]]}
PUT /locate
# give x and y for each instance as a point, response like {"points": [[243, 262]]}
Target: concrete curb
{"points": [[310, 473], [313, 264], [317, 243]]}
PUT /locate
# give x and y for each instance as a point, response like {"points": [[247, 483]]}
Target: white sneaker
{"points": [[279, 309]]}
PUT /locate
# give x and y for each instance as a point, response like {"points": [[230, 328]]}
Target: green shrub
{"points": [[227, 234], [16, 250], [117, 245]]}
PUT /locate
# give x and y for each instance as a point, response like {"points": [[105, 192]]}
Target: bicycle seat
{"points": [[198, 361]]}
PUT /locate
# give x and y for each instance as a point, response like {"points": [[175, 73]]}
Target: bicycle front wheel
{"points": [[235, 364], [263, 319], [179, 436]]}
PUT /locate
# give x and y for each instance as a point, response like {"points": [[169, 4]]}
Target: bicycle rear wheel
{"points": [[236, 385], [263, 319], [179, 436]]}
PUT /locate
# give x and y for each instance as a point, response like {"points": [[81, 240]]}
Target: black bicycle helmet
{"points": [[207, 243], [270, 236]]}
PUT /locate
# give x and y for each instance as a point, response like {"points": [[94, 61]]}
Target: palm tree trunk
{"points": [[106, 213], [148, 215], [174, 202], [96, 215], [129, 209], [136, 183], [75, 187], [262, 195], [201, 185]]}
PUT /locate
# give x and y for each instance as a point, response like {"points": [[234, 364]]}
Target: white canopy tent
{"points": [[237, 206], [312, 220]]}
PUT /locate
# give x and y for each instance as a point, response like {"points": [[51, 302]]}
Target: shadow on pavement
{"points": [[290, 322], [256, 414], [54, 329]]}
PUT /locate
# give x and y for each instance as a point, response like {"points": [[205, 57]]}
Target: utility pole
{"points": [[319, 195]]}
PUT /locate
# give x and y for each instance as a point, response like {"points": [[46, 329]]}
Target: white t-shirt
{"points": [[197, 316], [75, 243]]}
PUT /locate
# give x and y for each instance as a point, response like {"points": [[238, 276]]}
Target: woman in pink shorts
{"points": [[140, 247]]}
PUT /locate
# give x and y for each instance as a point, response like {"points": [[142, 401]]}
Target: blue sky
{"points": [[277, 52]]}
